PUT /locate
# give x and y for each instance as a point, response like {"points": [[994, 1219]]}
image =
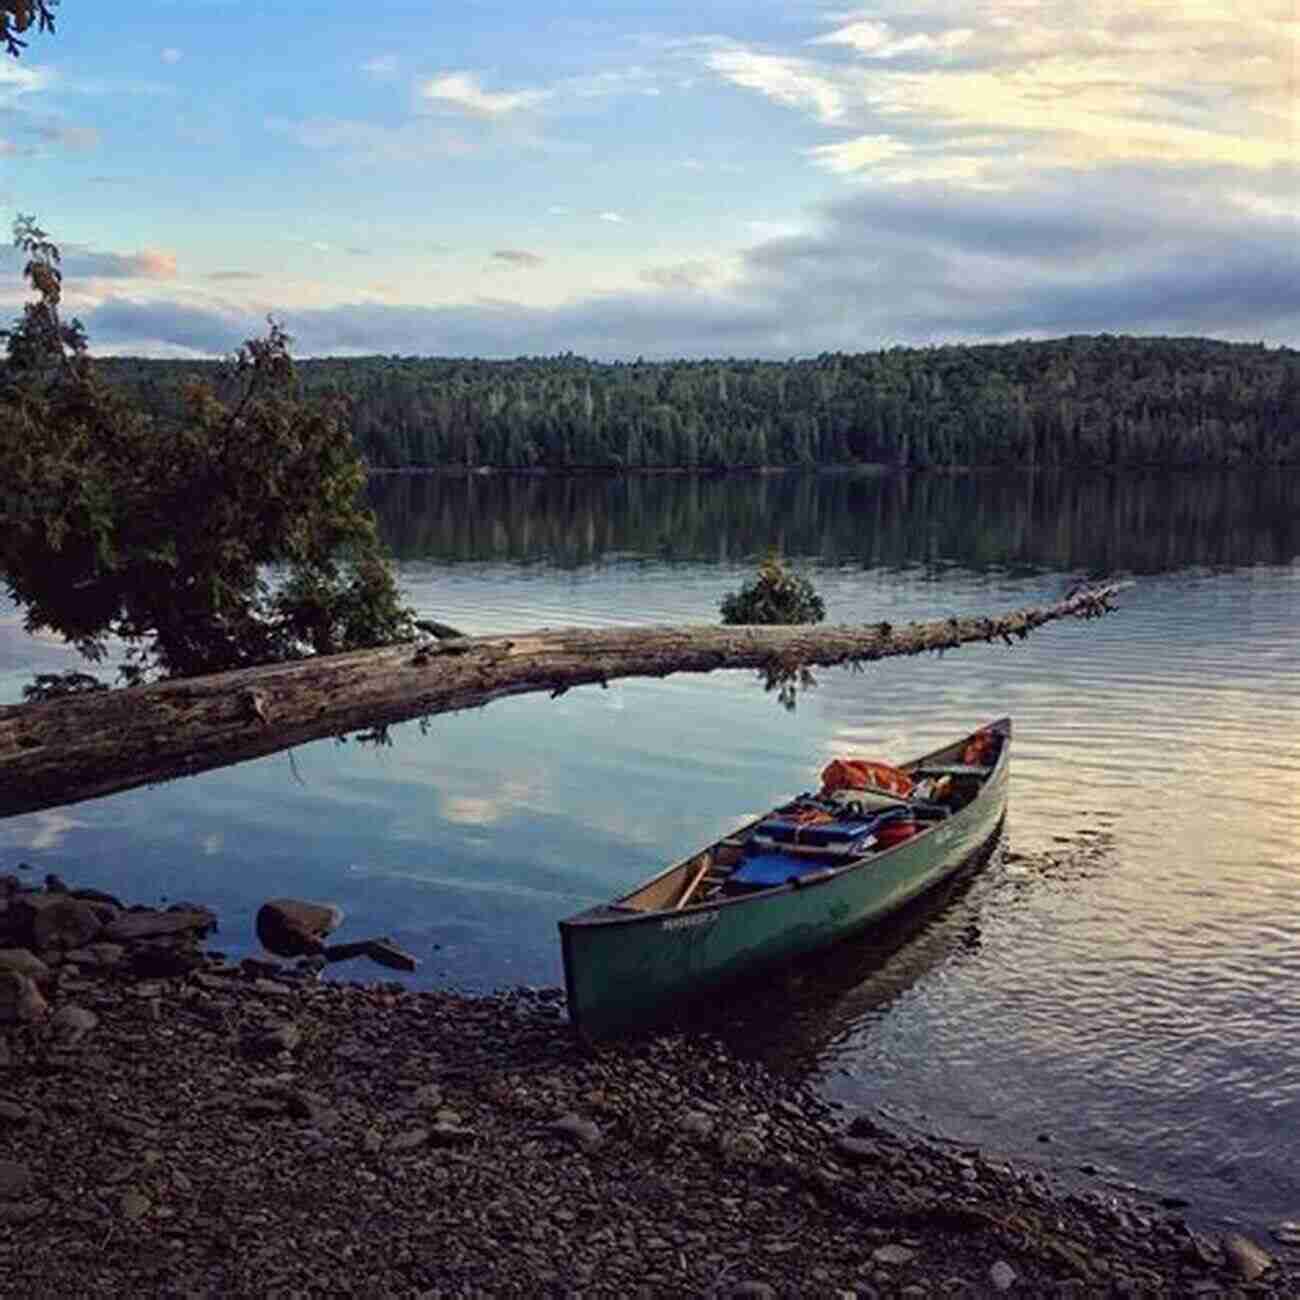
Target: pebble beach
{"points": [[174, 1124]]}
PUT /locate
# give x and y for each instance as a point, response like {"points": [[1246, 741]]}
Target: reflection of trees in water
{"points": [[1102, 523]]}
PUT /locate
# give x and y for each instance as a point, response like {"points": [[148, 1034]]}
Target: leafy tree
{"points": [[775, 596], [231, 535]]}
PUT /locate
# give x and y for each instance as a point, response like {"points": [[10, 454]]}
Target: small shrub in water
{"points": [[775, 596]]}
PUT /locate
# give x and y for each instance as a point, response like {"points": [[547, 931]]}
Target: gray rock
{"points": [[65, 923], [582, 1132], [20, 999], [1247, 1260], [1002, 1275], [25, 963], [97, 954], [450, 1135], [149, 924], [426, 1097], [271, 988], [893, 1254], [134, 1205], [1288, 1232], [754, 1291], [72, 1023], [743, 1145], [409, 1140], [14, 1180], [695, 1124], [857, 1151]]}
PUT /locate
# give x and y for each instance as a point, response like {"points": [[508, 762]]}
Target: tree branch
{"points": [[95, 744]]}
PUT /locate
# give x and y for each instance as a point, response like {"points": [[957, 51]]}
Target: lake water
{"points": [[1122, 977]]}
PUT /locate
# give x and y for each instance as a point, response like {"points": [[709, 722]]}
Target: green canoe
{"points": [[705, 922]]}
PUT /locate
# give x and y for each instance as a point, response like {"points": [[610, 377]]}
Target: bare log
{"points": [[89, 745]]}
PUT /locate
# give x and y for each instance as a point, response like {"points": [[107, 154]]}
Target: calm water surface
{"points": [[1123, 976]]}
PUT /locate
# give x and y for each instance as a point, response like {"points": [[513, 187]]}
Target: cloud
{"points": [[518, 257], [613, 218], [417, 140], [171, 55], [1142, 81], [156, 327], [681, 276], [51, 828], [1137, 250], [792, 82], [461, 93], [32, 133], [81, 263], [22, 79]]}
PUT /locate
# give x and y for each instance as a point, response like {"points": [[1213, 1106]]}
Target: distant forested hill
{"points": [[1083, 400]]}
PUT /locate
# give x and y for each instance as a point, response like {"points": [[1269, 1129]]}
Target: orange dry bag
{"points": [[865, 774]]}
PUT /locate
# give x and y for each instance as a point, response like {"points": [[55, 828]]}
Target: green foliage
{"points": [[1083, 400], [233, 534], [775, 596], [55, 686]]}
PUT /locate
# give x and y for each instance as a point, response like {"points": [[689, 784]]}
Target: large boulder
{"points": [[148, 923], [55, 920], [290, 927]]}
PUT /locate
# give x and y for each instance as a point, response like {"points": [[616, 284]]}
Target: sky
{"points": [[671, 179]]}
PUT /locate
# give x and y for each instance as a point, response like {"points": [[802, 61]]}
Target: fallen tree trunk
{"points": [[95, 744]]}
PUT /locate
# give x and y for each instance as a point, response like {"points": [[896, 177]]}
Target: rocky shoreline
{"points": [[175, 1125]]}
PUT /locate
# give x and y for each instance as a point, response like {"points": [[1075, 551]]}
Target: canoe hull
{"points": [[625, 969]]}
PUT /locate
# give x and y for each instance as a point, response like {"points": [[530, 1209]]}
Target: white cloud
{"points": [[612, 217], [461, 92], [1141, 81], [417, 140], [793, 82], [862, 151], [21, 79]]}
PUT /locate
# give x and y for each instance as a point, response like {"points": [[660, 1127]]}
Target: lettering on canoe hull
{"points": [[687, 922]]}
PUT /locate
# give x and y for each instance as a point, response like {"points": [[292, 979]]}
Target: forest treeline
{"points": [[1081, 400]]}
